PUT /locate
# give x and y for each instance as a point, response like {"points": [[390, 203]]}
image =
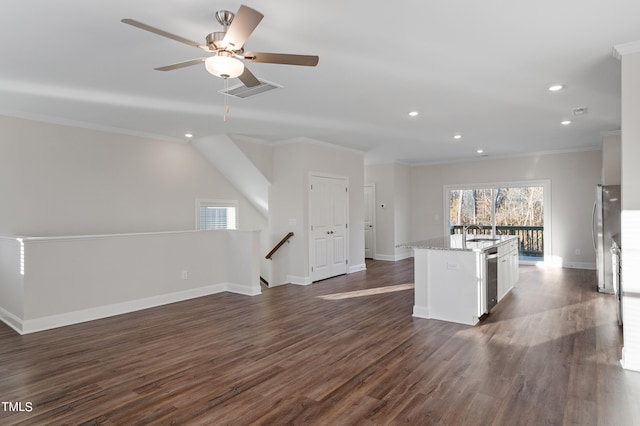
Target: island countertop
{"points": [[454, 242]]}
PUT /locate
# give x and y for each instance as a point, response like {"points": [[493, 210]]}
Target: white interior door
{"points": [[369, 221], [328, 213]]}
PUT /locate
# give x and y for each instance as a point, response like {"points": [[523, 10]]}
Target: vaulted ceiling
{"points": [[476, 69]]}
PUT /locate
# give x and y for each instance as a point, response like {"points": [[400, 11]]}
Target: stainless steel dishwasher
{"points": [[492, 278]]}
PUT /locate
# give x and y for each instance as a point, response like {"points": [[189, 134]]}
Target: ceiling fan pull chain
{"points": [[226, 99]]}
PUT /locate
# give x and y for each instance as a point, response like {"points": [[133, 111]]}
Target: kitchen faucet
{"points": [[465, 229]]}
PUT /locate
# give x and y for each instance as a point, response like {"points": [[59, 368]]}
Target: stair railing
{"points": [[272, 252], [280, 244]]}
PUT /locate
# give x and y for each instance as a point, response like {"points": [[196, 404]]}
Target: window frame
{"points": [[210, 202], [544, 183]]}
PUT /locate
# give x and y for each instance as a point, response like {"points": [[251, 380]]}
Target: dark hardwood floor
{"points": [[337, 352]]}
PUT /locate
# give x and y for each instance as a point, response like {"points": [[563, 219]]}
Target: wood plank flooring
{"points": [[329, 354]]}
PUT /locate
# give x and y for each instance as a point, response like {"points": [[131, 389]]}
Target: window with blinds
{"points": [[212, 214]]}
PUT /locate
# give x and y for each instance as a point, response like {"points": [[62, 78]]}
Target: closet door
{"points": [[328, 213]]}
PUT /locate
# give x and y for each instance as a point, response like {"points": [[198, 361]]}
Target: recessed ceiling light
{"points": [[457, 136], [480, 151], [188, 135], [556, 87], [565, 122], [413, 113]]}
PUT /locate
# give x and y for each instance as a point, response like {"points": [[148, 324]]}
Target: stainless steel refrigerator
{"points": [[606, 231]]}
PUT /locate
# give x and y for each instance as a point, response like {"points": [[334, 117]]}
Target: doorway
{"points": [[369, 221], [328, 219]]}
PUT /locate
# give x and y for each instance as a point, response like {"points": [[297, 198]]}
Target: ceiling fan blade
{"points": [[181, 64], [248, 79], [282, 58], [245, 21], [163, 33]]}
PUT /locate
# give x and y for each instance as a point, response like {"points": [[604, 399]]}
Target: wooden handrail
{"points": [[282, 241]]}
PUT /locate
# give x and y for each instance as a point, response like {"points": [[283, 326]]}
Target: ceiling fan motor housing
{"points": [[214, 40], [225, 18]]}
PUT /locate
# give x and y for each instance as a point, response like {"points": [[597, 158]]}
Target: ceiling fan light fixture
{"points": [[224, 66]]}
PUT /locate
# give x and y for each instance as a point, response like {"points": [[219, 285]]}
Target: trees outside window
{"points": [[502, 210]]}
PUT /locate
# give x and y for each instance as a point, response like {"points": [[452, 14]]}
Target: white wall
{"points": [[233, 163], [287, 214], [630, 132], [612, 159], [11, 282], [243, 262], [288, 204], [631, 207], [393, 189], [76, 279], [402, 209], [259, 152], [573, 177], [383, 177], [58, 180]]}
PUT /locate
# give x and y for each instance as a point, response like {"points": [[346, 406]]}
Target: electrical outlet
{"points": [[185, 275], [577, 252]]}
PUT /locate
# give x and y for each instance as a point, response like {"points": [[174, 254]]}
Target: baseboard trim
{"points": [[403, 256], [245, 290], [580, 265], [11, 320], [386, 257], [393, 257], [99, 312], [293, 279], [420, 312], [357, 268], [630, 361]]}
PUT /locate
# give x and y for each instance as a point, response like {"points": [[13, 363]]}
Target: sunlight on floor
{"points": [[532, 334], [367, 292]]}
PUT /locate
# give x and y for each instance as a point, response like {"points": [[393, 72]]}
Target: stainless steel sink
{"points": [[477, 240]]}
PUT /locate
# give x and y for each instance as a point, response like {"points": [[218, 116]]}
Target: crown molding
{"points": [[611, 133], [620, 50]]}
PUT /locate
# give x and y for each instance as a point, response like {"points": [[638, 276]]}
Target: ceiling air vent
{"points": [[241, 91]]}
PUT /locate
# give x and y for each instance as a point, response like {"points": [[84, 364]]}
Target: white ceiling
{"points": [[480, 69]]}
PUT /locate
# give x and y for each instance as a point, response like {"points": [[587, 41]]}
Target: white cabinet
{"points": [[507, 267], [447, 285], [452, 282], [514, 264]]}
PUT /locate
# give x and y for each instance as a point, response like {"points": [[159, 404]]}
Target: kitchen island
{"points": [[458, 279]]}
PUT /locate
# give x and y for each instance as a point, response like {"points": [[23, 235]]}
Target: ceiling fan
{"points": [[227, 47]]}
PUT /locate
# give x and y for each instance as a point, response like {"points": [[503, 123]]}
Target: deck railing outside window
{"points": [[530, 238]]}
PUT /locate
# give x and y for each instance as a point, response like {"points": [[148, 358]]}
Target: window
{"points": [[216, 214], [516, 208]]}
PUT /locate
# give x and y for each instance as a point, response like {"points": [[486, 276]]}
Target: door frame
{"points": [[373, 219], [308, 230]]}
